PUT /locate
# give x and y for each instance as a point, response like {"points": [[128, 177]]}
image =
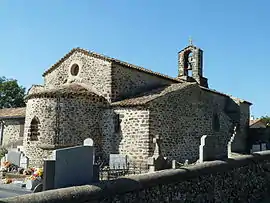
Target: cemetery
{"points": [[78, 161]]}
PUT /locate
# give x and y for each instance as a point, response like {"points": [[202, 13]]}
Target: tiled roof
{"points": [[12, 112], [107, 58], [127, 65], [145, 98], [226, 95], [254, 121], [67, 89]]}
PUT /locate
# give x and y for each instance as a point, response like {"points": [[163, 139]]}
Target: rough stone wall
{"points": [[13, 133], [244, 179], [133, 137], [78, 119], [127, 82], [92, 71], [240, 141], [181, 117], [249, 183]]}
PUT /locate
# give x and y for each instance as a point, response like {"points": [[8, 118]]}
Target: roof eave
{"points": [[11, 117]]}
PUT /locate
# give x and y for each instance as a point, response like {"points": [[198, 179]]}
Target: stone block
{"points": [[73, 166]]}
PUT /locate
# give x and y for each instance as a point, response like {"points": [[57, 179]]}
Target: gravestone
{"points": [[24, 161], [255, 148], [118, 161], [173, 164], [48, 174], [210, 149], [158, 161], [263, 147], [73, 166], [88, 142], [14, 157]]}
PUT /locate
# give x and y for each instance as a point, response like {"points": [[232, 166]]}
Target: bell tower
{"points": [[190, 65]]}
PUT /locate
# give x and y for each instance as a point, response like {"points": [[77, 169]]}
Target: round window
{"points": [[74, 69]]}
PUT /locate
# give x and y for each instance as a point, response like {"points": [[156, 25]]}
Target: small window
{"points": [[34, 129], [215, 122], [74, 69]]}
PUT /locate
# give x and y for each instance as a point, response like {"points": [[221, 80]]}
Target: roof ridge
{"points": [[151, 95], [104, 57]]}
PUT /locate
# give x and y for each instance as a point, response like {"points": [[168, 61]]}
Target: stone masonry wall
{"points": [[127, 82], [78, 119], [13, 133], [244, 179], [132, 139], [240, 141], [181, 117], [92, 71]]}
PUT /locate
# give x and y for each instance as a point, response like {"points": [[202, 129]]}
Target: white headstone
{"points": [[256, 148], [118, 161], [24, 161], [88, 142], [2, 161]]}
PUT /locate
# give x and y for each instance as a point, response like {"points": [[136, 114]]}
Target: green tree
{"points": [[266, 120], [11, 93]]}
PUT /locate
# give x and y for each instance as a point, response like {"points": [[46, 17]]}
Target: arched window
{"points": [[34, 129]]}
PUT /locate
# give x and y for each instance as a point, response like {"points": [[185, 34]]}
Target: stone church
{"points": [[123, 107]]}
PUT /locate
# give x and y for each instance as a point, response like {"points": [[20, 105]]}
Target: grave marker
{"points": [[88, 142], [24, 161], [14, 157], [118, 161], [255, 148], [73, 166]]}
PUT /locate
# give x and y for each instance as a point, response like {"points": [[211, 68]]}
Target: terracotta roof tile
{"points": [[127, 65], [153, 94], [67, 89], [252, 122], [12, 112], [145, 98]]}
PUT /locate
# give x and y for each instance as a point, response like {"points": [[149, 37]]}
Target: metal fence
{"points": [[116, 171]]}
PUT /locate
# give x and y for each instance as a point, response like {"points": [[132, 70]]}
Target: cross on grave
{"points": [[157, 141]]}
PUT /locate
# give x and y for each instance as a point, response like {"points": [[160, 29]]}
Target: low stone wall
{"points": [[242, 179]]}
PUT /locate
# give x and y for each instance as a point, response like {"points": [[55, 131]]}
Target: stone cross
{"points": [[157, 141]]}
